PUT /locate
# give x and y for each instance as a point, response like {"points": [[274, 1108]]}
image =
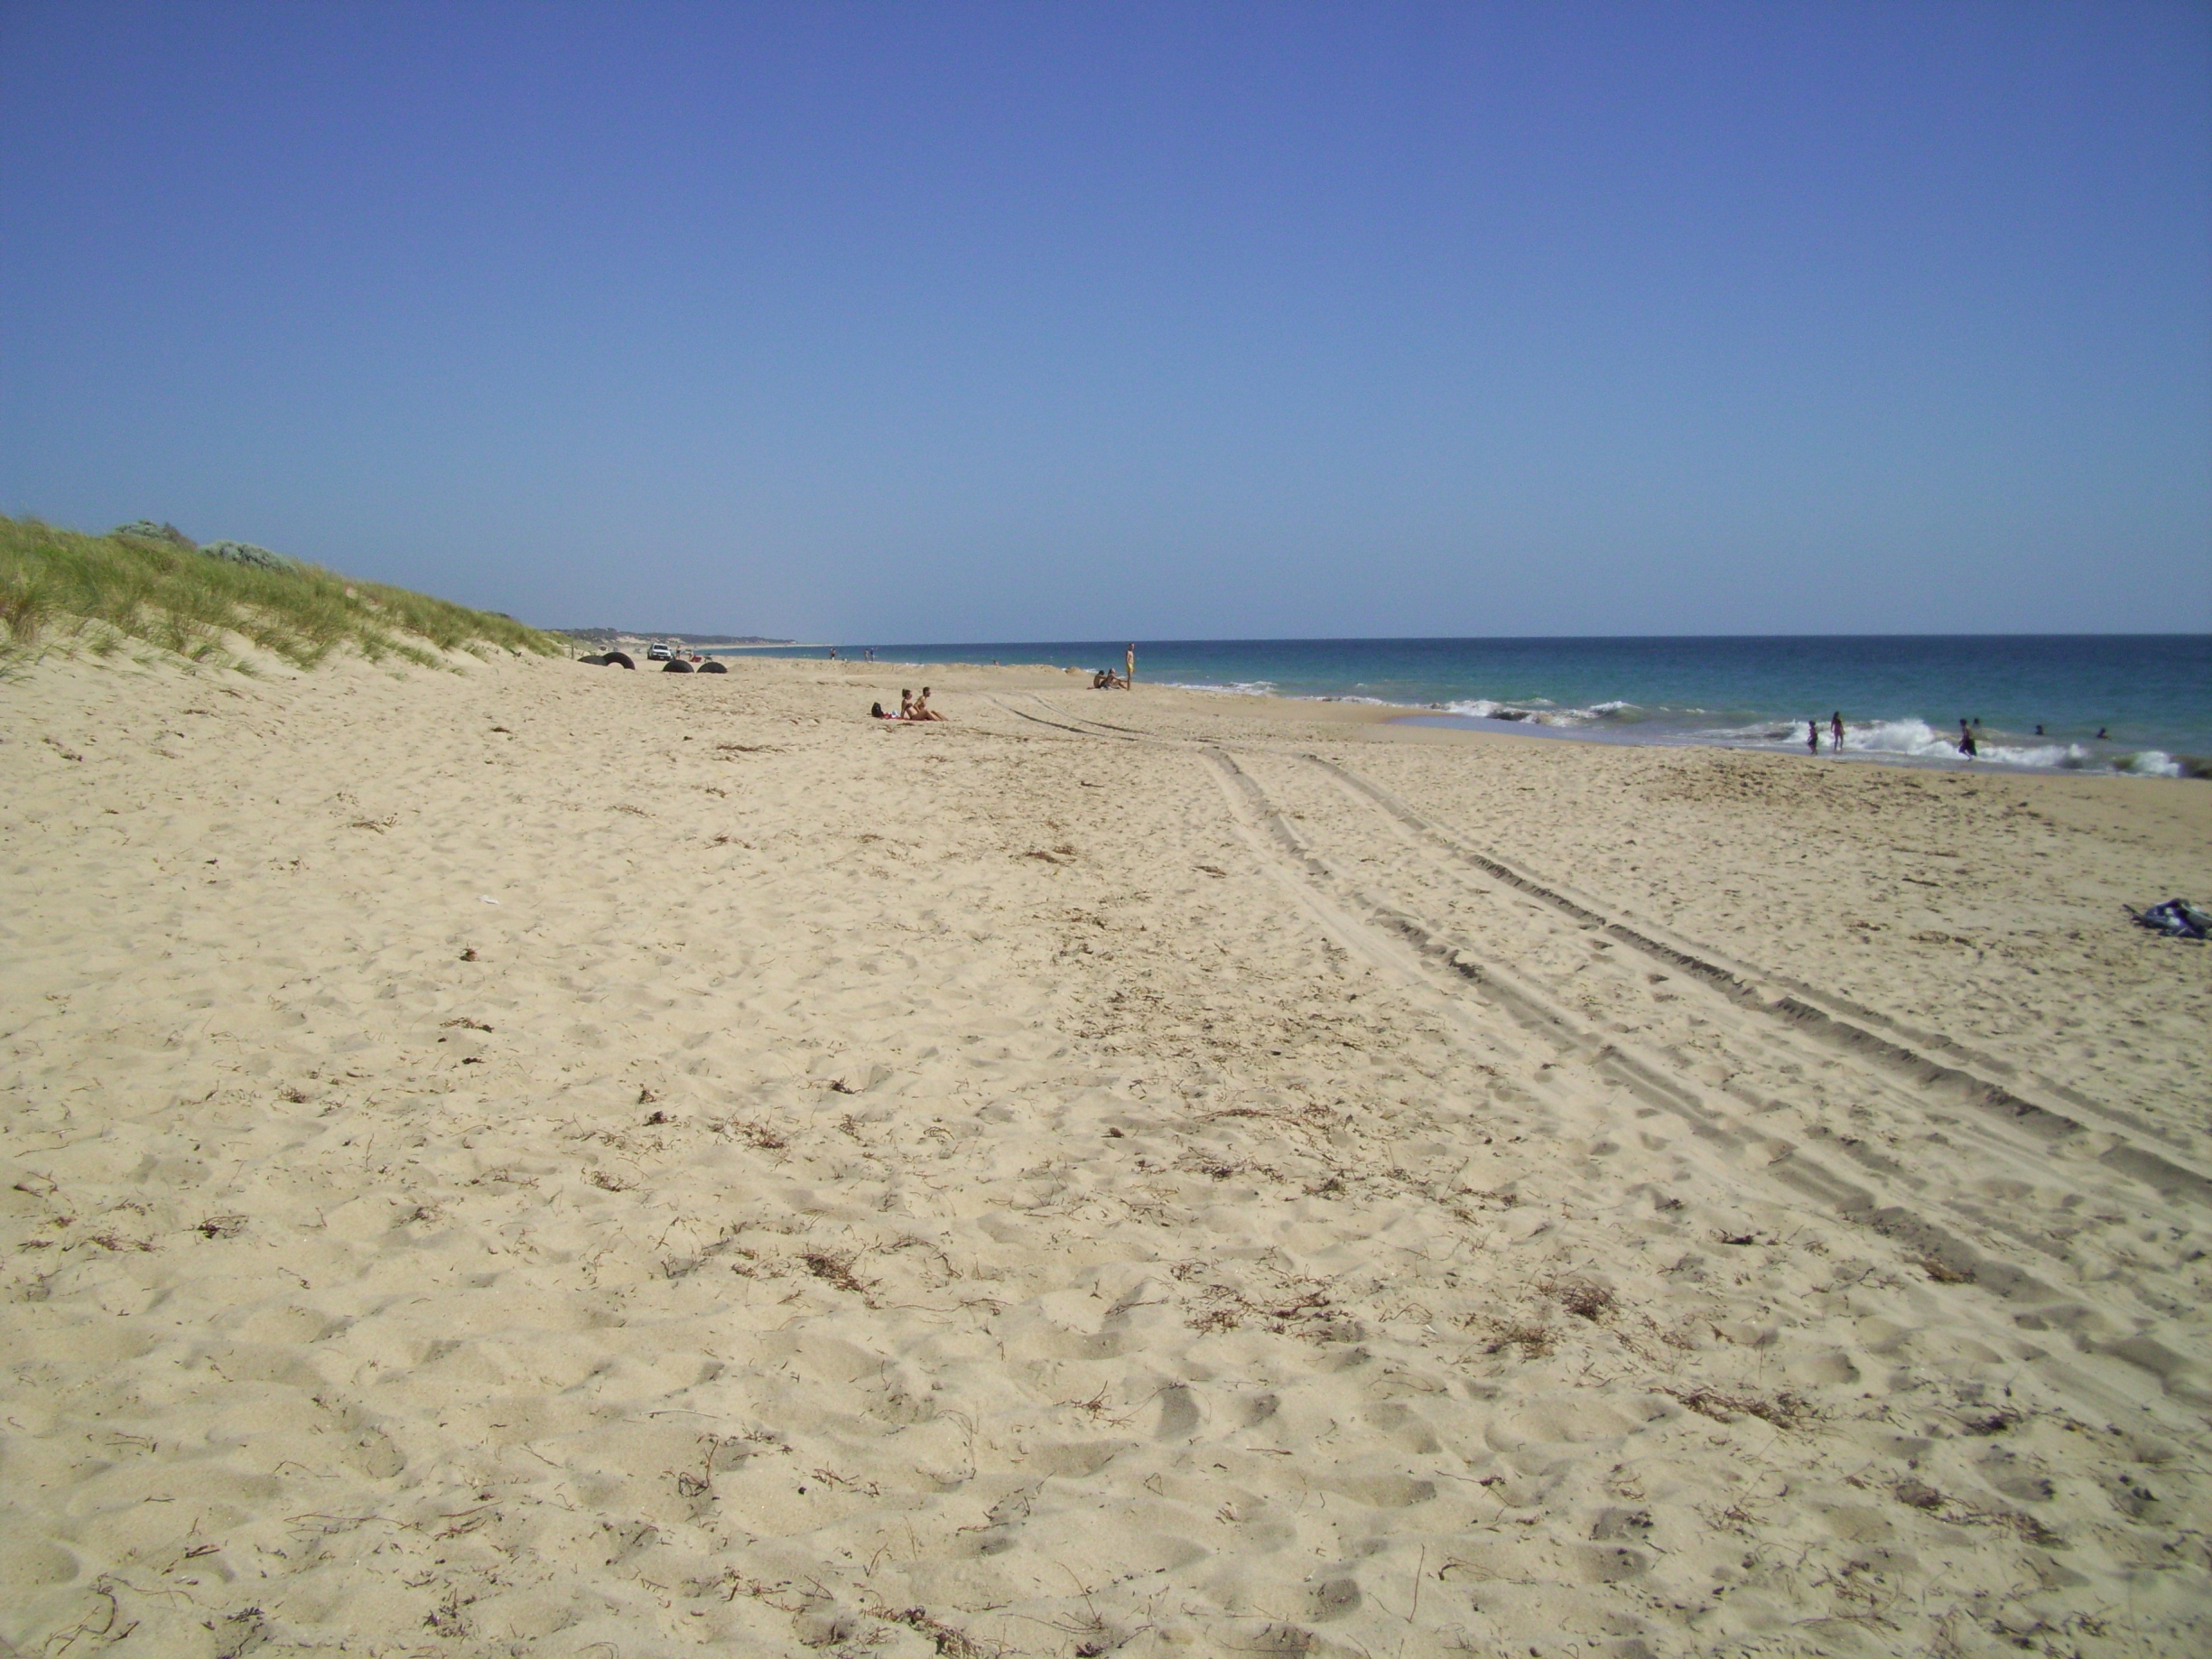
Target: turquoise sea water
{"points": [[1901, 696]]}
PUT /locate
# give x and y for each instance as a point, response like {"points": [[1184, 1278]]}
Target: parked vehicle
{"points": [[656, 652]]}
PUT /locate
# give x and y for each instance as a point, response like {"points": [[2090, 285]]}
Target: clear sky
{"points": [[1034, 320]]}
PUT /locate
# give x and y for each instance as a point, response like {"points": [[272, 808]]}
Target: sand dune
{"points": [[541, 1158]]}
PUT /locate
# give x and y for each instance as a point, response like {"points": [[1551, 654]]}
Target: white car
{"points": [[657, 654]]}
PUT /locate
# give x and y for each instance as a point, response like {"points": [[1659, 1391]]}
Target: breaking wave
{"points": [[1541, 712], [1913, 739]]}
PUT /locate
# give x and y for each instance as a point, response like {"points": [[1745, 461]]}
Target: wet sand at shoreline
{"points": [[546, 1159]]}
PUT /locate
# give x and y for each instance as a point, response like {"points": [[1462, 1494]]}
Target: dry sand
{"points": [[545, 1159]]}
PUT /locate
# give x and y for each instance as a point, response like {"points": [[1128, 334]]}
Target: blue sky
{"points": [[901, 322]]}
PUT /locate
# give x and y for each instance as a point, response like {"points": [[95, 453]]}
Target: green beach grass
{"points": [[97, 592]]}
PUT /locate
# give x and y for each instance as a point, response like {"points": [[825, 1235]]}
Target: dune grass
{"points": [[98, 592]]}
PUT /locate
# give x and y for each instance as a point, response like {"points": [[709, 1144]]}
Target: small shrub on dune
{"points": [[245, 552]]}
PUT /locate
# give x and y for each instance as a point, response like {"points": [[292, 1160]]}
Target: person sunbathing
{"points": [[921, 709], [906, 705]]}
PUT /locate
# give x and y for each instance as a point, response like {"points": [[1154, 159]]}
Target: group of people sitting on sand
{"points": [[910, 707]]}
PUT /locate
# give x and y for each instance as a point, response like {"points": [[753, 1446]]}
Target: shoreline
{"points": [[573, 1158], [1904, 740], [1429, 716], [2188, 767], [1416, 717]]}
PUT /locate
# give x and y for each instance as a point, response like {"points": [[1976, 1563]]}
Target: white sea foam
{"points": [[1917, 740], [1546, 714], [2043, 757], [2153, 763], [1239, 688], [1536, 710], [1582, 717], [1898, 737]]}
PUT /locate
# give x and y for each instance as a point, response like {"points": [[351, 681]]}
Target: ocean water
{"points": [[1901, 696]]}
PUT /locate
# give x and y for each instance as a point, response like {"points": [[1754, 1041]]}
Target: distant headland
{"points": [[616, 636]]}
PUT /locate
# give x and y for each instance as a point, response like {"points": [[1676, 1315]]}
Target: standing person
{"points": [[1966, 745], [1836, 731], [1812, 736], [1129, 673]]}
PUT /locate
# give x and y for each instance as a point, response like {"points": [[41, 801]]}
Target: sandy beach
{"points": [[538, 1158]]}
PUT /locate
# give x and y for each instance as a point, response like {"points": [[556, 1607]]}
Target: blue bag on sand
{"points": [[2177, 918]]}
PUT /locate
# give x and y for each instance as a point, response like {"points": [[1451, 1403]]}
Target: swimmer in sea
{"points": [[1812, 736]]}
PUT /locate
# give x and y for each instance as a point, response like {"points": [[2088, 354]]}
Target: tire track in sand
{"points": [[1836, 1021], [1733, 1149], [1927, 1209]]}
